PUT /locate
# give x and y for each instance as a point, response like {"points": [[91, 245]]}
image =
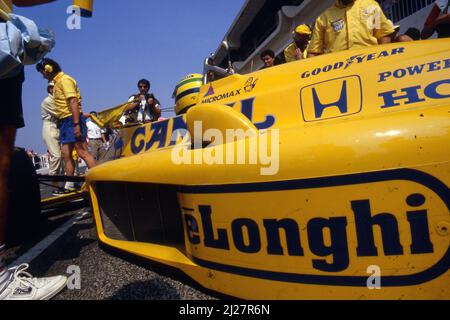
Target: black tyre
{"points": [[24, 216]]}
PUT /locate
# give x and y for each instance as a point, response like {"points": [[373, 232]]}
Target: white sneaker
{"points": [[70, 186], [23, 286]]}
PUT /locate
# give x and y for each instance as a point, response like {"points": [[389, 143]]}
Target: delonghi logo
{"points": [[331, 99], [384, 218], [360, 58]]}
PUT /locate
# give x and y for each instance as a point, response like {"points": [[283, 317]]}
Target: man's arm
{"points": [[289, 55], [74, 107], [445, 18], [133, 103], [430, 23], [131, 106], [385, 30], [316, 45], [386, 39]]}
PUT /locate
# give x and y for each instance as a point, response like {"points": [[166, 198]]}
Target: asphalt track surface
{"points": [[104, 275]]}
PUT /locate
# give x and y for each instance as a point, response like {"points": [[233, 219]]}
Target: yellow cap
{"points": [[303, 29]]}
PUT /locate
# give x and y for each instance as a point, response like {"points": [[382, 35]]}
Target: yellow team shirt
{"points": [[65, 88], [289, 53], [342, 28], [5, 9]]}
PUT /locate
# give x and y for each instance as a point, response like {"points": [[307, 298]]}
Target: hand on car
{"points": [[298, 54]]}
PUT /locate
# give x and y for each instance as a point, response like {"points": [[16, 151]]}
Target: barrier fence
{"points": [[397, 10]]}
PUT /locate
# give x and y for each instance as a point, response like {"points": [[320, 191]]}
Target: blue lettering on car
{"points": [[357, 59], [158, 134], [415, 70], [365, 224], [411, 95]]}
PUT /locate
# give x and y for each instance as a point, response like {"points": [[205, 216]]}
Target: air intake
{"points": [[140, 212]]}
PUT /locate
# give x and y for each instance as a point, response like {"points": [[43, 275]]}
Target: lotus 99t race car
{"points": [[317, 179]]}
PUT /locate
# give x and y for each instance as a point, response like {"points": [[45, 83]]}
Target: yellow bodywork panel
{"points": [[325, 178]]}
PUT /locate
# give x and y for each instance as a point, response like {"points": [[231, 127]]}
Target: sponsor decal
{"points": [[356, 59], [247, 108], [210, 91], [366, 12], [156, 134], [417, 69], [331, 99], [166, 133], [388, 218], [410, 95], [223, 96], [338, 25], [250, 85]]}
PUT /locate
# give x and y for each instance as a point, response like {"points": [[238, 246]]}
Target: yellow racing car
{"points": [[325, 178]]}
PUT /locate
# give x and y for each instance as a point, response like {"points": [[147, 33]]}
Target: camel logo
{"points": [[250, 85], [331, 99]]}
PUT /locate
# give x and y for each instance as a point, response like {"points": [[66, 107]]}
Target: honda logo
{"points": [[331, 99]]}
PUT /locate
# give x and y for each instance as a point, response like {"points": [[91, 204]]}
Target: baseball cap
{"points": [[303, 29]]}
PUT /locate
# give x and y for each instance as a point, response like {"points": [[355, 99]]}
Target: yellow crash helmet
{"points": [[186, 92]]}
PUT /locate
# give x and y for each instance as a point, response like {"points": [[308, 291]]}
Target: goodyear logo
{"points": [[331, 99], [356, 59], [324, 231]]}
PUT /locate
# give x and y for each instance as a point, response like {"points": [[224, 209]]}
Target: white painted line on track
{"points": [[31, 254]]}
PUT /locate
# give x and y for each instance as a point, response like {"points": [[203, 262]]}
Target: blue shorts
{"points": [[66, 130]]}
